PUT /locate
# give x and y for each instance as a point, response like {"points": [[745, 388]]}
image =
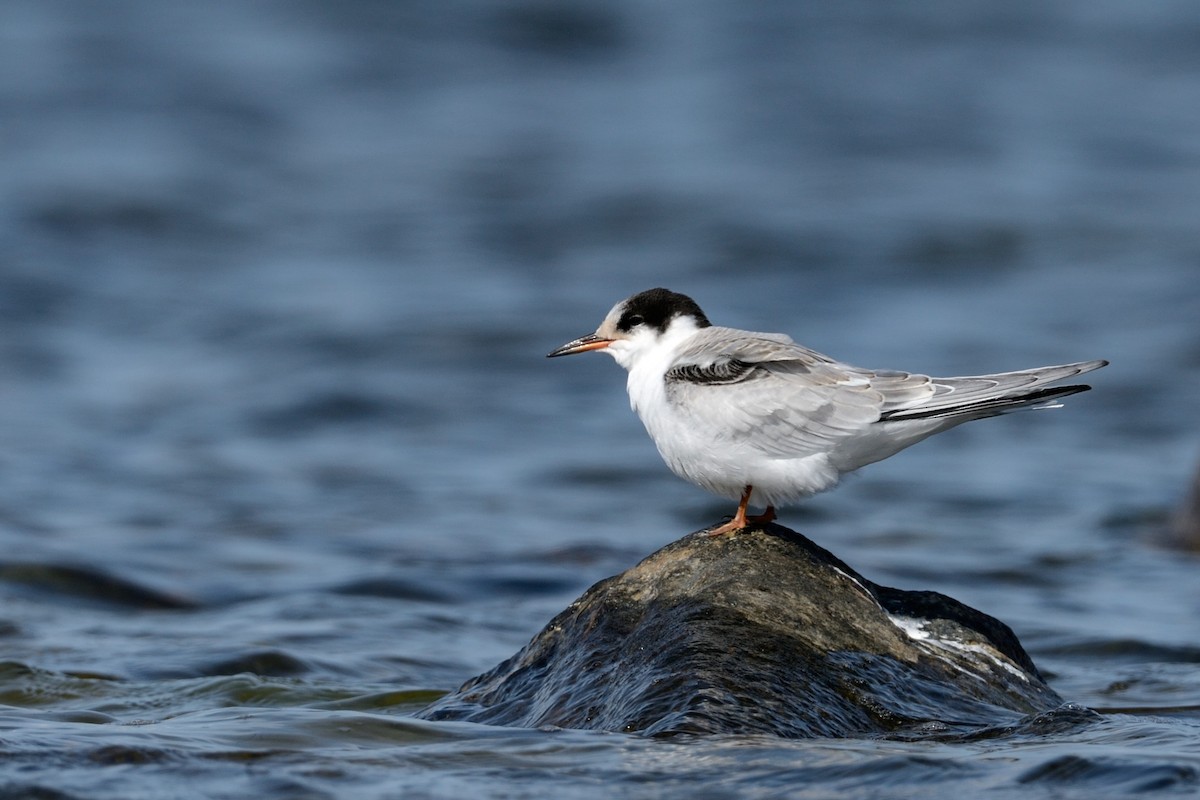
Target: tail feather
{"points": [[1041, 398], [978, 396]]}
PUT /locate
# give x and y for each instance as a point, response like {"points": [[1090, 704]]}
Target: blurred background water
{"points": [[281, 458]]}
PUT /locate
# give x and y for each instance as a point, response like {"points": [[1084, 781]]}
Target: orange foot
{"points": [[740, 520]]}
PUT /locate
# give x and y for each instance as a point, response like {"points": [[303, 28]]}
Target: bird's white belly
{"points": [[707, 456]]}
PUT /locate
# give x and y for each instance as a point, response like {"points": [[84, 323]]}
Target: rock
{"points": [[758, 632]]}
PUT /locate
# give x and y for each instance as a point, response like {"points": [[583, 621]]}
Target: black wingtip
{"points": [[987, 408]]}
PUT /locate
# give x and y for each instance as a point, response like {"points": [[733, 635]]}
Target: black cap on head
{"points": [[657, 307]]}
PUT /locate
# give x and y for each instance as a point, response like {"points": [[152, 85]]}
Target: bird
{"points": [[757, 418]]}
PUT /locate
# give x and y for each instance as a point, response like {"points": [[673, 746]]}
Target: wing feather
{"points": [[787, 401], [977, 395]]}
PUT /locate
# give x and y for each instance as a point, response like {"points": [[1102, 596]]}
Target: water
{"points": [[281, 459]]}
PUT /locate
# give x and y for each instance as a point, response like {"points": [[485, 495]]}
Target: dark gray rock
{"points": [[761, 631]]}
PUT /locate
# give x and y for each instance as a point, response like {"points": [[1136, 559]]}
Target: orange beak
{"points": [[581, 345]]}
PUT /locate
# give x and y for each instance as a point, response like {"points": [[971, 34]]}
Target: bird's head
{"points": [[639, 324]]}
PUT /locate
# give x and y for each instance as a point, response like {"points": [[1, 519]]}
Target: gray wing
{"points": [[787, 400], [977, 395], [764, 390]]}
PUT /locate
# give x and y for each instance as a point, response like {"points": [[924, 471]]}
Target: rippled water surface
{"points": [[281, 459]]}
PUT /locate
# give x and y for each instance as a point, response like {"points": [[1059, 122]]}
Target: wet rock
{"points": [[759, 632]]}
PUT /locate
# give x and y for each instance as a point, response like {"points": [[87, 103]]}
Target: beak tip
{"points": [[580, 345]]}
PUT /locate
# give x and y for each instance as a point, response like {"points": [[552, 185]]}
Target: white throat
{"points": [[646, 345], [647, 355]]}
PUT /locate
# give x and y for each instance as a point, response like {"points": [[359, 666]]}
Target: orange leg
{"points": [[740, 520]]}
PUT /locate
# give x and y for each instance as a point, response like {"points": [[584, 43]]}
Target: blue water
{"points": [[281, 458]]}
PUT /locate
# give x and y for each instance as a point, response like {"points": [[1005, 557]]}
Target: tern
{"points": [[757, 418]]}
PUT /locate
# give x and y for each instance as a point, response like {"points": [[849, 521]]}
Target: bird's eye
{"points": [[635, 320]]}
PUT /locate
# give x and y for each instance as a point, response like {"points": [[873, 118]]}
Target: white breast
{"points": [[705, 456]]}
